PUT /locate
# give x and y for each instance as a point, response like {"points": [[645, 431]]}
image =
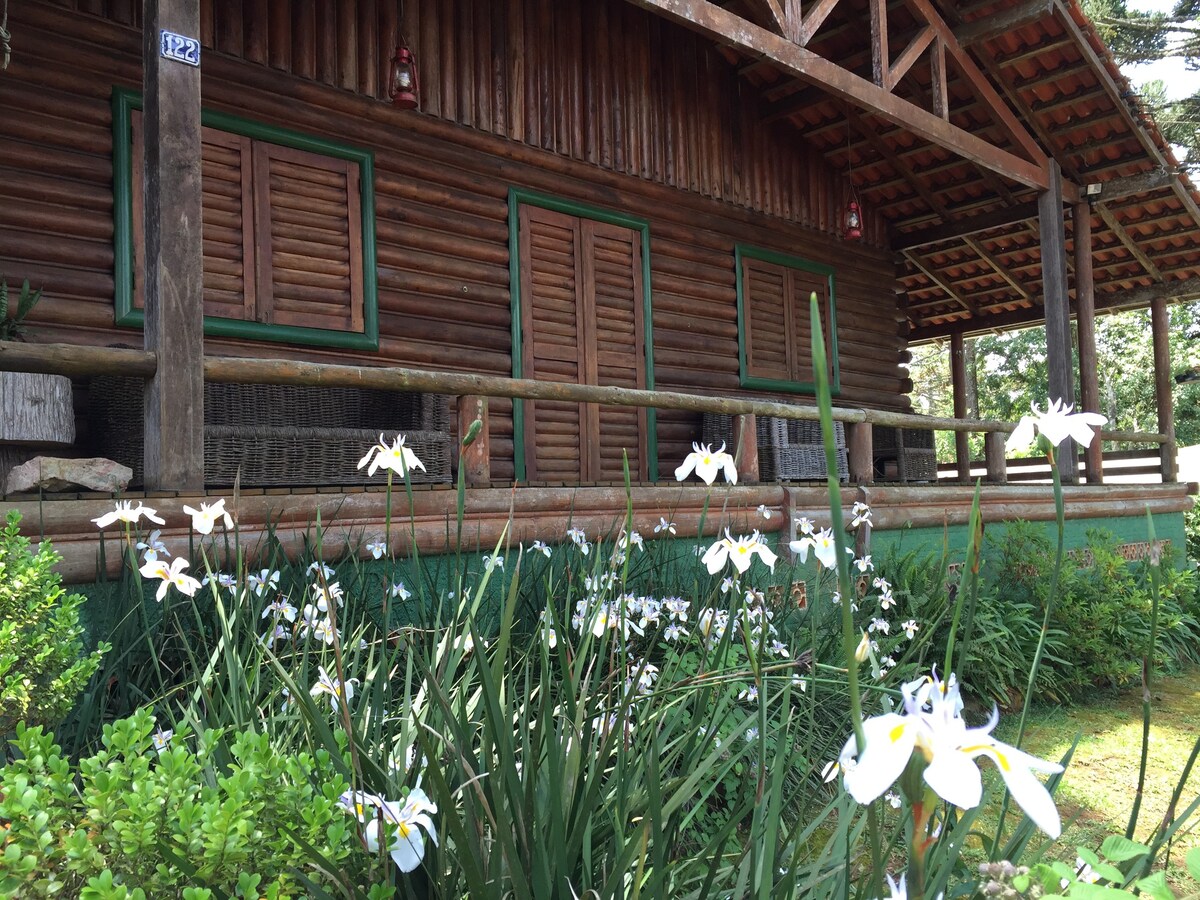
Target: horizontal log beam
{"points": [[351, 518], [724, 27], [960, 228], [57, 359]]}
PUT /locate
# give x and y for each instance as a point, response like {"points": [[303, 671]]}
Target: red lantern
{"points": [[853, 222], [404, 88]]}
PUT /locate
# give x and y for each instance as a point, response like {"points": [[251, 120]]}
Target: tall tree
{"points": [[1140, 37]]}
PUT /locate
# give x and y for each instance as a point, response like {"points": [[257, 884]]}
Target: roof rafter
{"points": [[990, 26], [744, 36]]}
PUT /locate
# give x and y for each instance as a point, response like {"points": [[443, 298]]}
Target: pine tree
{"points": [[1141, 37]]}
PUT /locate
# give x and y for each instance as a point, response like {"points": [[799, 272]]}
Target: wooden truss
{"points": [[780, 33]]}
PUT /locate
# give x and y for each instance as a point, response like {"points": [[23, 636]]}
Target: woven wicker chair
{"points": [[906, 455], [282, 434], [788, 449]]}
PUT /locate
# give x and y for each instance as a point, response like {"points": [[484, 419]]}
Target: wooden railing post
{"points": [[1085, 321], [993, 453], [745, 447], [862, 453], [476, 458], [958, 379], [173, 276], [1164, 397]]}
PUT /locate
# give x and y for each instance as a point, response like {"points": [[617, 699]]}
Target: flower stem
{"points": [[1051, 602]]}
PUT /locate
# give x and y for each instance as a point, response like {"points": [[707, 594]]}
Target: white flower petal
{"points": [[890, 742]]}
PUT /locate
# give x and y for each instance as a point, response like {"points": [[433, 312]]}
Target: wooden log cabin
{"points": [[622, 194]]}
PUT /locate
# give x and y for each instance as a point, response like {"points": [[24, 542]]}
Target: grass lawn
{"points": [[1098, 789]]}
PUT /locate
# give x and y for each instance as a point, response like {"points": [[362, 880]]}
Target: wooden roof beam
{"points": [[723, 26], [1131, 185], [927, 270], [1136, 298], [990, 26], [1001, 269], [975, 76], [1129, 242], [960, 228]]}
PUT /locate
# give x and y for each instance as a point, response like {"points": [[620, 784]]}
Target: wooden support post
{"points": [[174, 275], [1085, 319], [476, 458], [862, 453], [958, 379], [993, 453], [1160, 324], [1058, 310], [745, 448]]}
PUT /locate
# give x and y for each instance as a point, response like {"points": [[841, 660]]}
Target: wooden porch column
{"points": [[745, 447], [1058, 310], [1085, 319], [1160, 324], [993, 452], [862, 454], [475, 459], [173, 278], [958, 378]]}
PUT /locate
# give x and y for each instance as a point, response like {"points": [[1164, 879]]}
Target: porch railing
{"points": [[1119, 465], [473, 389]]}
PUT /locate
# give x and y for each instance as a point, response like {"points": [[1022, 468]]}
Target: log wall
{"points": [[674, 139]]}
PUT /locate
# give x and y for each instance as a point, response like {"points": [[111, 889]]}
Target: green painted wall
{"points": [[1127, 529]]}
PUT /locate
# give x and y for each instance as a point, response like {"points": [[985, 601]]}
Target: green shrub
{"points": [[42, 664], [1101, 625], [131, 821]]}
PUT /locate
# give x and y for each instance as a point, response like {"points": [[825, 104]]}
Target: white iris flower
{"points": [[707, 462], [1056, 424], [932, 725]]}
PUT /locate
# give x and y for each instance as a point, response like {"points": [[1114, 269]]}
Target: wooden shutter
{"points": [[309, 240], [552, 346], [803, 285], [582, 323], [767, 319], [228, 217], [613, 272]]}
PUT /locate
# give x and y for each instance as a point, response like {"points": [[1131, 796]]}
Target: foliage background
{"points": [[1010, 373]]}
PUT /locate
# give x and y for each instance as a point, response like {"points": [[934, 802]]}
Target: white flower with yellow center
{"points": [[707, 463], [129, 514], [394, 456], [172, 574], [205, 518], [822, 545], [740, 552], [932, 725], [333, 687], [394, 824]]}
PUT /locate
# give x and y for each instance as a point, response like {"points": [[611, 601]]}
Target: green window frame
{"points": [[812, 273], [518, 197], [124, 103]]}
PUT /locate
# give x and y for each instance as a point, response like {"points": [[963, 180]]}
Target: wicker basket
{"points": [[282, 434], [788, 449]]}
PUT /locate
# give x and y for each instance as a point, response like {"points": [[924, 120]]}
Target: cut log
{"points": [[36, 410]]}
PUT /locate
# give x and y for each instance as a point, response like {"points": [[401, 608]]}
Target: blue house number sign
{"points": [[180, 48]]}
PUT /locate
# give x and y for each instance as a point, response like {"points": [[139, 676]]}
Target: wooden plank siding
{"points": [[620, 110]]}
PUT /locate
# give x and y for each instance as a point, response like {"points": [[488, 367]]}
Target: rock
{"points": [[51, 473]]}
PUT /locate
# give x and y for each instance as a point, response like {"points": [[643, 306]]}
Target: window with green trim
{"points": [[288, 232], [774, 319]]}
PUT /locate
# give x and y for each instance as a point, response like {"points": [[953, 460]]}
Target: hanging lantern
{"points": [[404, 89], [853, 230]]}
